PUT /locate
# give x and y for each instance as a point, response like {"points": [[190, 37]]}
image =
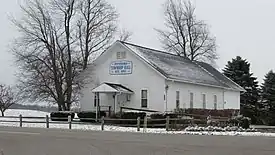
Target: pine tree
{"points": [[238, 70], [268, 97]]}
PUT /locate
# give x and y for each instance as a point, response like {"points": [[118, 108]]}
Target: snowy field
{"points": [[64, 125], [25, 113]]}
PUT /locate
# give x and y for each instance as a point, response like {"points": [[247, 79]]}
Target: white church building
{"points": [[128, 75]]}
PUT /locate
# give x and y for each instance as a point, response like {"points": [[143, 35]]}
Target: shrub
{"points": [[213, 122], [171, 115], [240, 120], [163, 116], [157, 116], [133, 115], [199, 122], [85, 115], [219, 129], [61, 115], [206, 112], [178, 123]]}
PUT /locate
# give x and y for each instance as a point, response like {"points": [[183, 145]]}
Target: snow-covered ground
{"points": [[64, 125], [25, 113]]}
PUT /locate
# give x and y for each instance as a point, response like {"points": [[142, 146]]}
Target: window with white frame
{"points": [[128, 97], [204, 101], [121, 55], [144, 98], [177, 99], [191, 100], [215, 102]]}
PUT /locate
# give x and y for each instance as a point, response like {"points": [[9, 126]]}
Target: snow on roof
{"points": [[179, 68], [221, 76]]}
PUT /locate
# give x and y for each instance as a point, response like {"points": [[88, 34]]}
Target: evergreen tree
{"points": [[268, 97], [238, 70]]}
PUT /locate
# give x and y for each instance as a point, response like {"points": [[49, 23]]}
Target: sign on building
{"points": [[121, 67]]}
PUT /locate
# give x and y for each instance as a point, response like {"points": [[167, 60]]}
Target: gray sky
{"points": [[244, 28]]}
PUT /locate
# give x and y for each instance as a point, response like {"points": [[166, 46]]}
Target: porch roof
{"points": [[111, 88]]}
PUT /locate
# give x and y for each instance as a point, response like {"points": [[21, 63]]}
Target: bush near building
{"points": [[61, 115], [207, 112], [90, 116], [132, 116]]}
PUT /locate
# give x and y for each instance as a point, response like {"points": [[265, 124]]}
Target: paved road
{"points": [[24, 141]]}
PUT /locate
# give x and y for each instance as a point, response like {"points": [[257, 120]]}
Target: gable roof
{"points": [[178, 68], [119, 87], [221, 76], [112, 87]]}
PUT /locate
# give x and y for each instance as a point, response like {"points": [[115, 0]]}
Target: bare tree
{"points": [[185, 34], [48, 53], [7, 98], [41, 63], [67, 10], [96, 27], [125, 35]]}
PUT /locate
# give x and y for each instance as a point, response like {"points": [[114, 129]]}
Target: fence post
{"points": [[167, 123], [70, 121], [47, 121], [120, 111], [20, 120], [138, 124], [145, 124], [102, 123]]}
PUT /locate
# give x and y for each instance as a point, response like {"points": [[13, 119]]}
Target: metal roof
{"points": [[182, 69]]}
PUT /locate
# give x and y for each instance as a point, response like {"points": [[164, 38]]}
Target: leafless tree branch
{"points": [[125, 35], [185, 35], [96, 27]]}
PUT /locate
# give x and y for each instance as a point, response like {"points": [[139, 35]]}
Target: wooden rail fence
{"points": [[167, 123], [139, 123]]}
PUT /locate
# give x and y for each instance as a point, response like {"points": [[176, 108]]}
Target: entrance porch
{"points": [[110, 97]]}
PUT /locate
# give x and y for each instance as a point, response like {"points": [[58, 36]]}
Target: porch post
{"points": [[97, 104], [166, 97], [115, 102]]}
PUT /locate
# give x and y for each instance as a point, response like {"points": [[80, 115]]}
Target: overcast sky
{"points": [[242, 27]]}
